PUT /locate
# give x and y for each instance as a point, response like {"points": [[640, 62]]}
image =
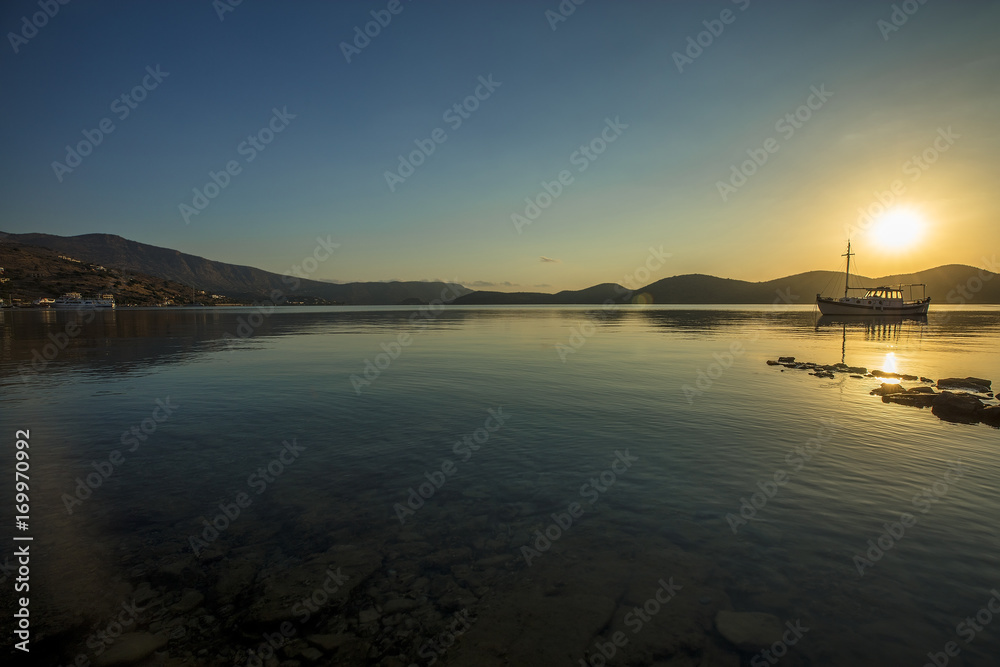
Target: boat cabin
{"points": [[884, 293]]}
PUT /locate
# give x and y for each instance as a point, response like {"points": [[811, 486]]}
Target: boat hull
{"points": [[831, 306]]}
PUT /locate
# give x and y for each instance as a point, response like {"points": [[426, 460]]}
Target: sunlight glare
{"points": [[898, 228]]}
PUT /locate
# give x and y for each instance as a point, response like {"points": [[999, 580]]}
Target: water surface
{"points": [[685, 391]]}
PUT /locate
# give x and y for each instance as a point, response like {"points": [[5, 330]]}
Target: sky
{"points": [[738, 138]]}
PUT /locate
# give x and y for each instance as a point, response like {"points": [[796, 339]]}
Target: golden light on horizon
{"points": [[898, 228]]}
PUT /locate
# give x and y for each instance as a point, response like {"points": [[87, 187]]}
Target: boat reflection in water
{"points": [[876, 327]]}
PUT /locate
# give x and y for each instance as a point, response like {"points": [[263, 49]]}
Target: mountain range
{"points": [[952, 283], [231, 280]]}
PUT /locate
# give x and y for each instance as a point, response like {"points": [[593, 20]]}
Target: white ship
{"points": [[883, 300]]}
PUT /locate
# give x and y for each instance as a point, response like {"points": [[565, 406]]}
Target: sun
{"points": [[898, 228]]}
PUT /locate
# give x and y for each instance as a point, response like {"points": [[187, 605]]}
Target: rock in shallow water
{"points": [[918, 400], [990, 415], [749, 631], [957, 407], [130, 648], [887, 388], [969, 383]]}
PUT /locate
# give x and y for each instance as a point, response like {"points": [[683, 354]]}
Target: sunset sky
{"points": [[912, 105]]}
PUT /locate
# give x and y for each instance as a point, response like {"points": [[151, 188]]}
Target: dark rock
{"points": [[130, 648], [786, 359], [960, 408], [749, 631], [923, 379], [771, 362], [990, 415], [887, 388], [913, 400], [860, 377], [897, 376], [969, 383], [921, 390]]}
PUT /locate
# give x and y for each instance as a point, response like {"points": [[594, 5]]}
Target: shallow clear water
{"points": [[686, 392]]}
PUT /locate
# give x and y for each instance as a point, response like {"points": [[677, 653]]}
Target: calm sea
{"points": [[498, 486]]}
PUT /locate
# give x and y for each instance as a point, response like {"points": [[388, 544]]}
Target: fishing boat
{"points": [[882, 300]]}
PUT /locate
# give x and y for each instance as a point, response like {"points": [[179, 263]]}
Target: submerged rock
{"points": [[990, 415], [895, 376], [887, 388], [916, 400], [969, 383], [749, 631], [190, 600], [130, 648], [960, 408]]}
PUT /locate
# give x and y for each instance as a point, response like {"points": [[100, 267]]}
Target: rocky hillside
{"points": [[235, 281]]}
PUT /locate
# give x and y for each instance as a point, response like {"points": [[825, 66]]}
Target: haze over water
{"points": [[624, 391]]}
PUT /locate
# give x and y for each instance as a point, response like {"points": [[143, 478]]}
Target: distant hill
{"points": [[31, 272], [248, 283], [241, 282], [595, 294], [800, 288]]}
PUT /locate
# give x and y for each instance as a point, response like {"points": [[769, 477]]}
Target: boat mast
{"points": [[847, 274]]}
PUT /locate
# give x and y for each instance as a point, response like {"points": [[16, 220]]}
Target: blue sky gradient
{"points": [[655, 185]]}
